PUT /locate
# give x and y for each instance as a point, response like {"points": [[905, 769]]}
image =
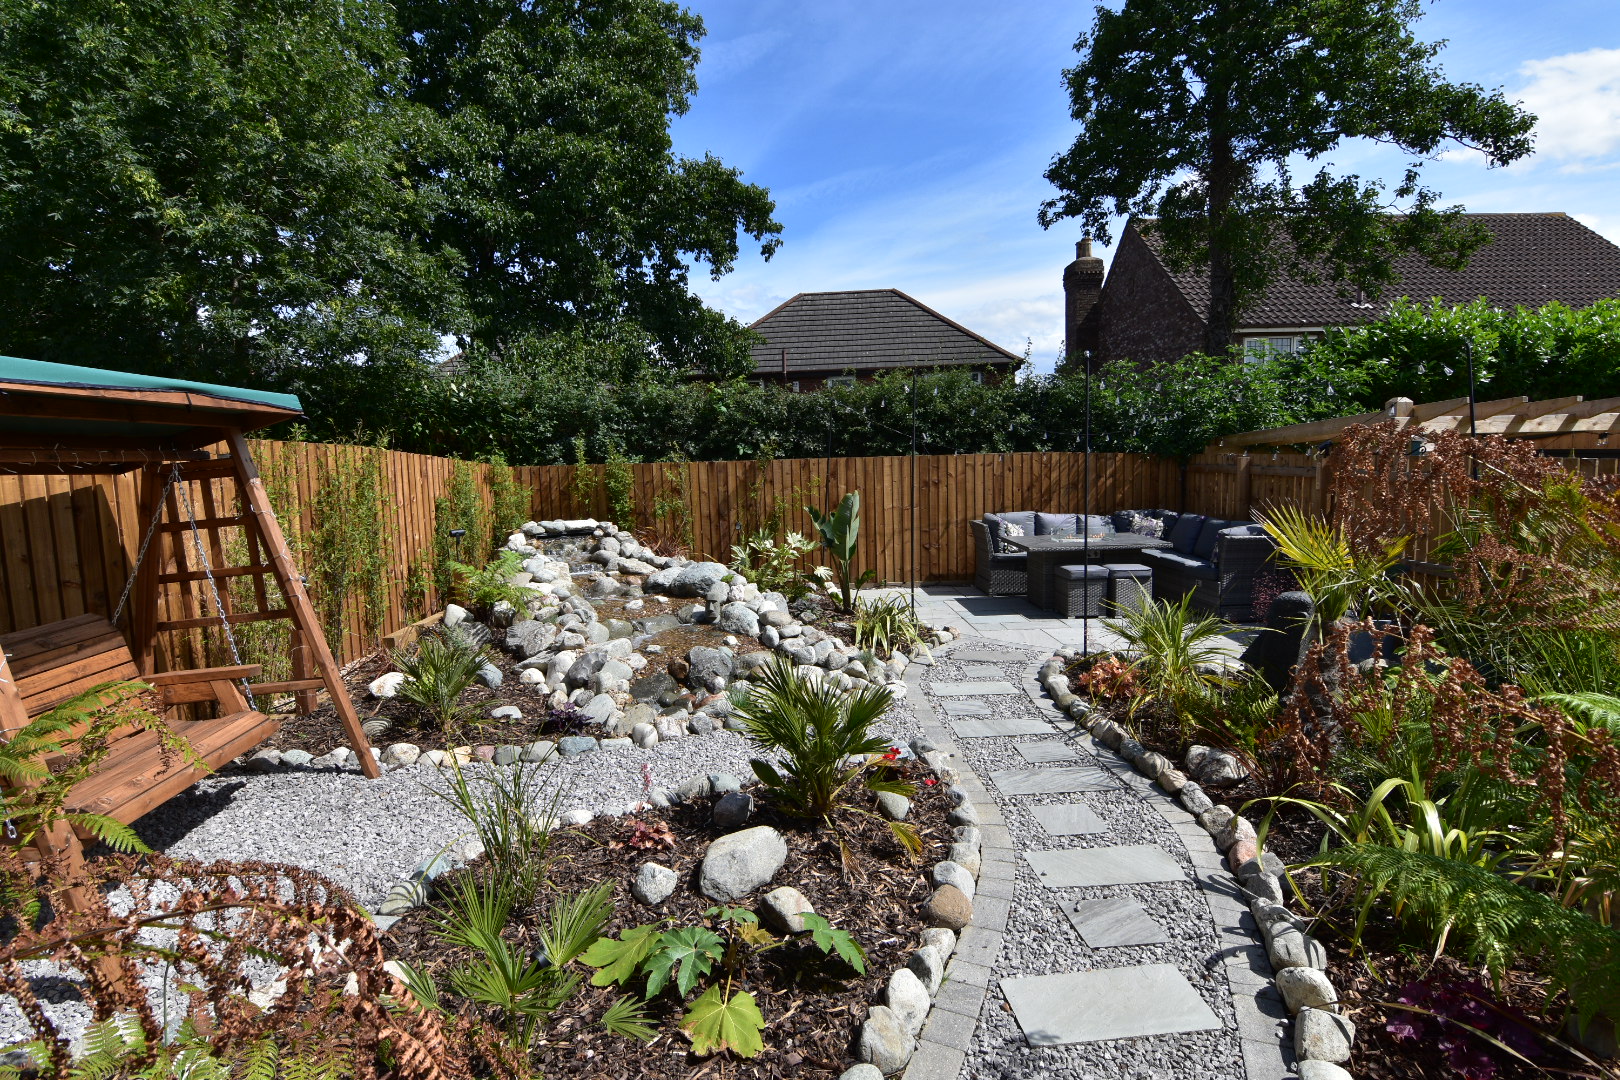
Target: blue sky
{"points": [[904, 142]]}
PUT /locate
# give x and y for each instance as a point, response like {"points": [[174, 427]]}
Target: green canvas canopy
{"points": [[80, 418]]}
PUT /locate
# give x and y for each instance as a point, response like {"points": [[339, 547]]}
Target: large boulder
{"points": [[530, 638], [588, 664], [691, 579], [708, 666], [737, 864], [738, 618], [1275, 652], [653, 686]]}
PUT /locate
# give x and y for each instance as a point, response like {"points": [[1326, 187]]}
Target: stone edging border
{"points": [[1288, 971]]}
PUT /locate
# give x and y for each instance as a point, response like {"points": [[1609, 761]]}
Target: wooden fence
{"points": [[69, 543]]}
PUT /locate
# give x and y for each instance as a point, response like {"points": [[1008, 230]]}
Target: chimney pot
{"points": [[1082, 250]]}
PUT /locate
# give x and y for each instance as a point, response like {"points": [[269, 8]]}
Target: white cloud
{"points": [[1576, 98]]}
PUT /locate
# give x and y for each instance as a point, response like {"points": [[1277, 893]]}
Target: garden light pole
{"points": [[1085, 507]]}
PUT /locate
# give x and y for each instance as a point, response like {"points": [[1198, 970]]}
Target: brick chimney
{"points": [[1082, 288]]}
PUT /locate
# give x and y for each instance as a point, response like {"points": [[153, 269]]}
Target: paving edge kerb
{"points": [[1275, 969]]}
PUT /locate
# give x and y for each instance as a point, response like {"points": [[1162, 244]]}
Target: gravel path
{"points": [[1039, 938]]}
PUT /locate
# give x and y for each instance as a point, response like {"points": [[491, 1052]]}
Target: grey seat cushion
{"points": [[1185, 533], [1057, 525], [1208, 534], [1078, 571], [1097, 525], [1244, 529]]}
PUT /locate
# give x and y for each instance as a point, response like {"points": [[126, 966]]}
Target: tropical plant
{"points": [[1177, 656], [682, 957], [119, 1047], [510, 810], [821, 737], [1241, 718], [444, 664], [481, 589], [840, 533], [774, 567], [1338, 579], [885, 625]]}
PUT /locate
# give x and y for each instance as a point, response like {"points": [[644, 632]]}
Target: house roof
{"points": [[1533, 260], [866, 330]]}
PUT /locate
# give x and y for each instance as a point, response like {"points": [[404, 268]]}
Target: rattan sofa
{"points": [[1216, 561]]}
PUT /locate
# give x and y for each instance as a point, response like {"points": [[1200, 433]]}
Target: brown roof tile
{"points": [[865, 330], [1534, 260]]}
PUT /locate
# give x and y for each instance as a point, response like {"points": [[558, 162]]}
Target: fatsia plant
{"points": [[840, 532], [822, 737]]}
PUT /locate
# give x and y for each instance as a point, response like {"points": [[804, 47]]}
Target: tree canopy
{"points": [[1195, 115], [312, 195]]}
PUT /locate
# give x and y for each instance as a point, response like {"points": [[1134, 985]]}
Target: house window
{"points": [[1257, 349], [794, 385], [839, 380], [977, 376]]}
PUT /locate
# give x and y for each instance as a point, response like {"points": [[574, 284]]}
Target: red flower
{"points": [[930, 781], [891, 754]]}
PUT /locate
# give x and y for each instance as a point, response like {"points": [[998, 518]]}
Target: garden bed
{"points": [[813, 1005]]}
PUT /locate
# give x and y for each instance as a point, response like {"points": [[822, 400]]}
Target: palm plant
{"points": [[1338, 579], [441, 669], [1176, 655], [822, 737]]}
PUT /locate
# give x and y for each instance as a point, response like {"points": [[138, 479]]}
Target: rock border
{"points": [[1282, 976]]}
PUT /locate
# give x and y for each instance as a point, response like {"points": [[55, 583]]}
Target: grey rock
{"points": [[707, 665], [783, 910], [964, 815], [530, 637], [693, 787], [650, 687], [942, 941], [263, 761], [733, 809], [737, 864], [1321, 1070], [863, 1071], [1220, 769], [297, 758], [947, 872], [1193, 799], [908, 999], [738, 619], [571, 746], [506, 712], [599, 709], [700, 725], [653, 884], [723, 783], [507, 755], [1320, 1035], [892, 806], [1288, 947], [538, 751], [491, 676], [967, 856], [929, 966], [1306, 988], [885, 1042], [644, 736]]}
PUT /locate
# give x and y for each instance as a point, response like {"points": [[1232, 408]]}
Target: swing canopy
{"points": [[60, 418]]}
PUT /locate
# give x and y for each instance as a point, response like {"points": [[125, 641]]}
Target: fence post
{"points": [[1243, 486]]}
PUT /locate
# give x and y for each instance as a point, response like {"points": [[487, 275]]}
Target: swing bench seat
{"points": [[53, 663]]}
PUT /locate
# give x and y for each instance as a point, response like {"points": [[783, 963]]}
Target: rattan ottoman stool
{"points": [[1130, 586], [1081, 589]]}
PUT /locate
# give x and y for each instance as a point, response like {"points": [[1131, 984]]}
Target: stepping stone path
{"points": [[1093, 951]]}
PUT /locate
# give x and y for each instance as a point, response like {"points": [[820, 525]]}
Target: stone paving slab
{"points": [[1059, 781], [1112, 1003], [973, 689], [1039, 753], [1070, 819], [966, 708], [984, 656], [1000, 727], [1114, 921], [1133, 864], [983, 671]]}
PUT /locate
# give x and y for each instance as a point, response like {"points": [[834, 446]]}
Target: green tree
{"points": [[562, 190], [212, 189], [1194, 112]]}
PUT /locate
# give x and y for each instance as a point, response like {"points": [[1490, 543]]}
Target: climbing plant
{"points": [[619, 481], [460, 508], [672, 506], [512, 502], [345, 544]]}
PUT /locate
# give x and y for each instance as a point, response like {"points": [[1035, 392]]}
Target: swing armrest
{"points": [[209, 674]]}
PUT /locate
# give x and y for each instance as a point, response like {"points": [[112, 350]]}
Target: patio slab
{"points": [[984, 671], [966, 708], [1069, 819], [1000, 727], [1060, 781], [1131, 864], [973, 689], [1040, 753], [1114, 1003], [984, 656], [1114, 921]]}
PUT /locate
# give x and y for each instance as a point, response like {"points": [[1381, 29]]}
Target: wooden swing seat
{"points": [[53, 663]]}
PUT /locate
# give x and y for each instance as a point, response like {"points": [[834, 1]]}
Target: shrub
{"points": [[482, 589], [1173, 652], [884, 625], [772, 566], [840, 533]]}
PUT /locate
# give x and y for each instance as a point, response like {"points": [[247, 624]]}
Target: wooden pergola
{"points": [[1513, 417], [186, 441]]}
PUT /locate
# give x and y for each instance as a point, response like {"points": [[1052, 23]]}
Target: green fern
{"points": [[1492, 919], [1589, 709], [117, 1048]]}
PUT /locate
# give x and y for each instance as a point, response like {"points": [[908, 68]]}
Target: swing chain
{"points": [[146, 542], [213, 586]]}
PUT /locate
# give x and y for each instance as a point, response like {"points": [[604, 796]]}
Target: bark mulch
{"points": [[813, 1004]]}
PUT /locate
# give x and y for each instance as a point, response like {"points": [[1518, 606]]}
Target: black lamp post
{"points": [[1085, 508]]}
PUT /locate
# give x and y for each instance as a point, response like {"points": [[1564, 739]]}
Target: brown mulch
{"points": [[813, 1004], [320, 731]]}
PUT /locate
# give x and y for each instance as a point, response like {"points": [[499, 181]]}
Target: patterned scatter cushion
{"points": [[1141, 524], [1011, 528]]}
